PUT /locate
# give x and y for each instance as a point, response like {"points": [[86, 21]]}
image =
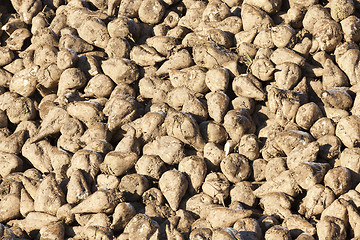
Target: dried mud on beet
{"points": [[170, 119]]}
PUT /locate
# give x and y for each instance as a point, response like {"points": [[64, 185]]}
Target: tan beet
{"points": [[277, 204], [49, 196], [173, 185], [195, 169], [296, 224], [238, 123], [141, 226], [338, 179], [217, 104], [175, 122], [243, 192], [349, 139], [118, 163], [169, 149], [123, 213], [309, 174], [253, 87], [228, 216], [235, 167], [53, 231], [155, 14], [99, 201], [277, 232], [216, 186], [331, 227], [285, 183], [132, 187], [78, 188]]}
